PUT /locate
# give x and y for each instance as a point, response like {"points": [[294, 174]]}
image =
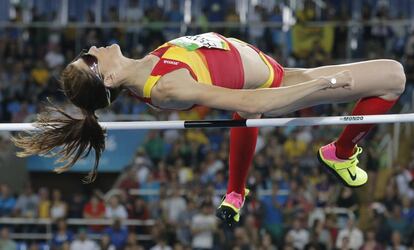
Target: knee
{"points": [[395, 77]]}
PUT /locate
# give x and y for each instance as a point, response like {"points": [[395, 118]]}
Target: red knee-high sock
{"points": [[242, 147], [352, 134]]}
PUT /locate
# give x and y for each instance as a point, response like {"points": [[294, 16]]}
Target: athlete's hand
{"points": [[342, 79]]}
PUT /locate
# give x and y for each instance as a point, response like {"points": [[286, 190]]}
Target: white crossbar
{"points": [[269, 122]]}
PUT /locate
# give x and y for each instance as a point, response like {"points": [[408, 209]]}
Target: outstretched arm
{"points": [[180, 87]]}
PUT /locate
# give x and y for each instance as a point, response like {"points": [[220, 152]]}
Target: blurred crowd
{"points": [[292, 203]]}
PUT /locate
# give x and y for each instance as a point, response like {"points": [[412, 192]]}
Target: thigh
{"points": [[371, 78]]}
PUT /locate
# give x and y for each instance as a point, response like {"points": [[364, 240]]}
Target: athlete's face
{"points": [[102, 62], [108, 60]]}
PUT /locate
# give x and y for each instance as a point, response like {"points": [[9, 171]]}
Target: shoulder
{"points": [[170, 83]]}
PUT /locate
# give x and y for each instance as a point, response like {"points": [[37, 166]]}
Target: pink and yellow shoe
{"points": [[229, 209], [347, 170]]}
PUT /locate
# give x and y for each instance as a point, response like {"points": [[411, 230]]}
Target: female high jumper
{"points": [[222, 73]]}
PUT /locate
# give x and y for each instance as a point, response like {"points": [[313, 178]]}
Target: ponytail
{"points": [[65, 137]]}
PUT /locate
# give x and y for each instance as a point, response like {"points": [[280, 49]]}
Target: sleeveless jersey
{"points": [[211, 59]]}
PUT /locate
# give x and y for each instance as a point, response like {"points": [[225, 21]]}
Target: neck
{"points": [[135, 73]]}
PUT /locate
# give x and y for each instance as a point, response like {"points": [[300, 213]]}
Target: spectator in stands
{"points": [[133, 12], [324, 189], [276, 33], [299, 234], [118, 234], [407, 210], [154, 146], [54, 57], [18, 78], [35, 246], [152, 184], [288, 243], [396, 242], [62, 234], [44, 203], [5, 242], [379, 223], [161, 244], [396, 222], [113, 14], [242, 239], [391, 197], [185, 219], [65, 246], [344, 244], [39, 74], [251, 229], [370, 242], [381, 31], [203, 226], [128, 180], [82, 242], [266, 242], [105, 243], [132, 243], [27, 203], [115, 210], [174, 205], [142, 160], [273, 206], [298, 200], [347, 199], [174, 15], [320, 234], [233, 17], [350, 235], [373, 163], [256, 33], [94, 209], [404, 179], [215, 10], [7, 201], [139, 211], [76, 204], [293, 147], [58, 207], [211, 165]]}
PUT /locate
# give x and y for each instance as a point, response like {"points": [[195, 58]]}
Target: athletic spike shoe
{"points": [[347, 171], [229, 209]]}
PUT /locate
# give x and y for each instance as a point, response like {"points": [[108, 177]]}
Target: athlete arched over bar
{"points": [[222, 73]]}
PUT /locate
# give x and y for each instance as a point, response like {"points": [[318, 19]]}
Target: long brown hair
{"points": [[69, 138]]}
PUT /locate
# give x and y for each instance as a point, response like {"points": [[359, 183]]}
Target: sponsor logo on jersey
{"points": [[171, 62]]}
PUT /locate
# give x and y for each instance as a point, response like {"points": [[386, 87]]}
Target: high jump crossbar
{"points": [[265, 122]]}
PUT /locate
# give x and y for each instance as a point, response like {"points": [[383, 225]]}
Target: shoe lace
{"points": [[354, 159]]}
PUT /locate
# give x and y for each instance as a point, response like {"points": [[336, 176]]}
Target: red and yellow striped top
{"points": [[216, 63]]}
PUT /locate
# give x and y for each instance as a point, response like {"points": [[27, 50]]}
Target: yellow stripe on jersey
{"points": [[269, 81], [192, 59], [149, 84]]}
